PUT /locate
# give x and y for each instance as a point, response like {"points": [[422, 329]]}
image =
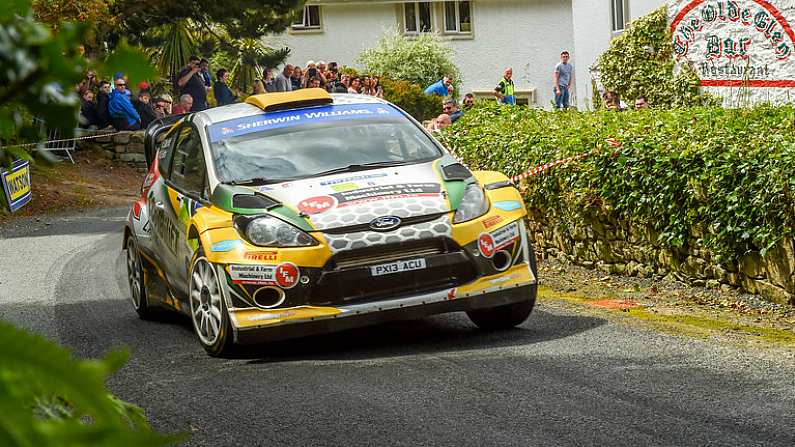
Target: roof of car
{"points": [[240, 110]]}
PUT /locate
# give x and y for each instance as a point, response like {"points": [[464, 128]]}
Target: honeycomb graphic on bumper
{"points": [[352, 241], [364, 213]]}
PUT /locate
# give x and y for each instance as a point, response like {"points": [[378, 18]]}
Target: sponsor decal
{"points": [[317, 204], [276, 120], [136, 210], [491, 221], [508, 205], [344, 187], [505, 235], [252, 274], [287, 275], [16, 184], [489, 243], [272, 316], [260, 255], [737, 43], [486, 245], [503, 279], [284, 275], [165, 229], [353, 178], [224, 246], [382, 192]]}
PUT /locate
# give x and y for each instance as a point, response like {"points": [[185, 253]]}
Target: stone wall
{"points": [[123, 147], [614, 247]]}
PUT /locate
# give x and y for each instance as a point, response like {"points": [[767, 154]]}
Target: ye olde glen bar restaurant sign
{"points": [[743, 50]]}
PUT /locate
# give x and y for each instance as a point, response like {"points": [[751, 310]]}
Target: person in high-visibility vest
{"points": [[504, 90]]}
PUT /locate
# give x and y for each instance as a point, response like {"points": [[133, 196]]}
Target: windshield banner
{"points": [[270, 121]]}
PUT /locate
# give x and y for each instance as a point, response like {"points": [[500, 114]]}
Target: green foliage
{"points": [[132, 61], [178, 44], [411, 98], [40, 70], [719, 179], [251, 60], [240, 18], [422, 60], [640, 62], [47, 398]]}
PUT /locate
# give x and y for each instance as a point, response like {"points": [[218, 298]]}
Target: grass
{"points": [[672, 320]]}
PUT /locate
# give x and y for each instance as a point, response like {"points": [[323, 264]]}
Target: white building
{"points": [[487, 35]]}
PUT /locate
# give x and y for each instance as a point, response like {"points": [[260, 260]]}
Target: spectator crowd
{"points": [[112, 103]]}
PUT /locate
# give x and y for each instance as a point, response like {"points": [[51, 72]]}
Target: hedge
{"points": [[408, 96], [640, 62], [723, 178]]}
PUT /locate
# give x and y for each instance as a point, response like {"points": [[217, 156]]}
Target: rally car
{"points": [[302, 212]]}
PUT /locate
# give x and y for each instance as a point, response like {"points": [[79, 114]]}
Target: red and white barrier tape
{"points": [[63, 140], [540, 169]]}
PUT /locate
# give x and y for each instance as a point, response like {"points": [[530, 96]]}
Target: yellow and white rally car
{"points": [[302, 212]]}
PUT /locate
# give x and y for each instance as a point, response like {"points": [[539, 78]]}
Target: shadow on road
{"points": [[442, 333], [92, 328]]}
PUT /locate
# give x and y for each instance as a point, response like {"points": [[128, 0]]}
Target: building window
{"points": [[457, 17], [417, 17], [309, 18], [619, 10]]}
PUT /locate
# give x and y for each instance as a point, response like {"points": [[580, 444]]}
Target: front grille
{"points": [[385, 253], [347, 277]]}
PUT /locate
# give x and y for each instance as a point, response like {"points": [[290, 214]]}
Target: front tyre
{"points": [[509, 315], [207, 309], [502, 317], [135, 277]]}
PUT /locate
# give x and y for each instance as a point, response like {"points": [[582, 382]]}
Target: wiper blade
{"points": [[257, 181], [362, 167]]}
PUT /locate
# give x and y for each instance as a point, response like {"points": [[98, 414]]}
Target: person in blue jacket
{"points": [[121, 110], [442, 87]]}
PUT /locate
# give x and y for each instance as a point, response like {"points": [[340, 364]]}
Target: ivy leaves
{"points": [[719, 179], [640, 62]]}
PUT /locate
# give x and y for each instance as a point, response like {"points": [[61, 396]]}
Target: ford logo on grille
{"points": [[385, 223]]}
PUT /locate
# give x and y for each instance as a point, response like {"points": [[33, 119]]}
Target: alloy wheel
{"points": [[205, 301]]}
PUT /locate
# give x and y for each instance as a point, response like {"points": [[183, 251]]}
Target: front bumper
{"points": [[253, 325]]}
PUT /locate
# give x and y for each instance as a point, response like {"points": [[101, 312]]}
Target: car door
{"points": [[187, 191]]}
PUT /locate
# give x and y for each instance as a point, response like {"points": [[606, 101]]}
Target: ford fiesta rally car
{"points": [[302, 212]]}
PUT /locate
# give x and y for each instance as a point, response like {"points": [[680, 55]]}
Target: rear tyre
{"points": [[509, 315], [135, 277], [207, 308]]}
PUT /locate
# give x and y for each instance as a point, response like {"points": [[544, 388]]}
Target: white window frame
{"points": [[617, 27], [457, 27], [417, 17], [303, 24]]}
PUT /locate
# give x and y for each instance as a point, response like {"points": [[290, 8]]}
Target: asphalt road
{"points": [[566, 377]]}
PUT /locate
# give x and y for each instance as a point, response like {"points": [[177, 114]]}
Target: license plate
{"points": [[397, 267]]}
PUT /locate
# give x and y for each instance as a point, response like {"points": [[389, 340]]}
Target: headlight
{"points": [[271, 232], [473, 204]]}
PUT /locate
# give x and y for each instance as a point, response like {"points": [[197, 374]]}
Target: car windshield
{"points": [[306, 150]]}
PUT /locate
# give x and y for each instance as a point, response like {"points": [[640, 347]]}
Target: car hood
{"points": [[355, 198]]}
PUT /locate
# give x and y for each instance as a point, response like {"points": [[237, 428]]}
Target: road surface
{"points": [[565, 377]]}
